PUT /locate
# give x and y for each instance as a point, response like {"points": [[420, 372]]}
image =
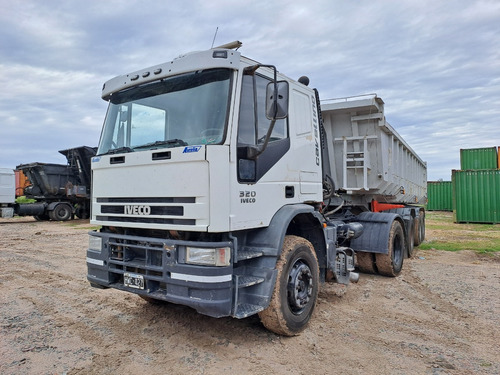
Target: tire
{"points": [[390, 264], [419, 228], [365, 263], [42, 217], [296, 289], [410, 243], [82, 213], [61, 212]]}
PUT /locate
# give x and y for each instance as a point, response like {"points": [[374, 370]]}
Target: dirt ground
{"points": [[441, 316]]}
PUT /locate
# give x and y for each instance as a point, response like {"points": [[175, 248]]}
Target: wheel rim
{"points": [[300, 286], [62, 212]]}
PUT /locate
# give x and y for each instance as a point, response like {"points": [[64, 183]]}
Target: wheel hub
{"points": [[300, 286]]}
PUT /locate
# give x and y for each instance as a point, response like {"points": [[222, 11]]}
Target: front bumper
{"points": [[161, 263]]}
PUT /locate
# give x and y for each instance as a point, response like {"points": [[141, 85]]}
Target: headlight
{"points": [[95, 243], [208, 257]]}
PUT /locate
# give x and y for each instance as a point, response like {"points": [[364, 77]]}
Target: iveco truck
{"points": [[221, 184]]}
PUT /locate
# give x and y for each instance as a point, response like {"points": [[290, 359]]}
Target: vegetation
{"points": [[77, 225], [23, 199], [444, 234]]}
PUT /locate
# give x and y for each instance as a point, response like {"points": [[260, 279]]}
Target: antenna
{"points": [[213, 41]]}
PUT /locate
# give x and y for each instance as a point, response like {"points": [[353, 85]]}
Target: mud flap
{"points": [[376, 228]]}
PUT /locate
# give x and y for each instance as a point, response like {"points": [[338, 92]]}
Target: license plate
{"points": [[133, 280]]}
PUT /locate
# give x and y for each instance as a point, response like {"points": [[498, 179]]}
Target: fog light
{"points": [[208, 257]]}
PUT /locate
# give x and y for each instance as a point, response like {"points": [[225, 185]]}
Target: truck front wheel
{"points": [[390, 264], [296, 289]]}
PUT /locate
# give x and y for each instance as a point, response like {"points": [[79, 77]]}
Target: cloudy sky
{"points": [[435, 63]]}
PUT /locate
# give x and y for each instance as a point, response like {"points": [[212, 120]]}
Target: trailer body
{"points": [[368, 158], [217, 184]]}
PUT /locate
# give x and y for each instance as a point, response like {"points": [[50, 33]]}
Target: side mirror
{"points": [[277, 100]]}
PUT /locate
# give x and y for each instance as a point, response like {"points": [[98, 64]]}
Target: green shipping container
{"points": [[439, 196], [478, 158], [476, 196]]}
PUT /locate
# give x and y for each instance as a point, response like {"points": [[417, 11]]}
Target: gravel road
{"points": [[441, 316]]}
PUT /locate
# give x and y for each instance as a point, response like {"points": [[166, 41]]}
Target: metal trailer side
{"points": [[47, 181], [368, 158]]}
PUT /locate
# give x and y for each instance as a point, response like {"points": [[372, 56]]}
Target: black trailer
{"points": [[61, 190]]}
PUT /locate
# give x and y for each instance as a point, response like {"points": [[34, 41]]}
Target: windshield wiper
{"points": [[175, 141], [119, 150]]}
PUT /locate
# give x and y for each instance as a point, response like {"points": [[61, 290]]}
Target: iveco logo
{"points": [[137, 210]]}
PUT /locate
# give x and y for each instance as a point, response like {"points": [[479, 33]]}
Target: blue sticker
{"points": [[96, 159], [189, 149]]}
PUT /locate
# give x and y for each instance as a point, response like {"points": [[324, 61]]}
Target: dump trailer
{"points": [[221, 184], [60, 190]]}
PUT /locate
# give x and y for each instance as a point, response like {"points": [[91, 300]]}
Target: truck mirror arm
{"points": [[254, 151], [272, 109]]}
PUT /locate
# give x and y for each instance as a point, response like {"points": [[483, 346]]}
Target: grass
{"points": [[77, 226], [443, 234]]}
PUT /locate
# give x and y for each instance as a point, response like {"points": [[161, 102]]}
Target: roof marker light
{"points": [[219, 55]]}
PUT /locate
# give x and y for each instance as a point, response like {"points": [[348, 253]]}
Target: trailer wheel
{"points": [[82, 213], [365, 262], [42, 217], [61, 212], [296, 289], [410, 242], [419, 228], [390, 264]]}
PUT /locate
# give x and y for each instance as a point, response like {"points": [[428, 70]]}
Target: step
{"points": [[246, 281], [249, 254], [246, 309]]}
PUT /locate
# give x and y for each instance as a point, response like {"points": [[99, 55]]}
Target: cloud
{"points": [[435, 64]]}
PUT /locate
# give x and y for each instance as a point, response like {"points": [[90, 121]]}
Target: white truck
{"points": [[223, 185]]}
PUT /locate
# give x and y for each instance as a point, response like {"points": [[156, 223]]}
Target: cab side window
{"points": [[248, 134], [252, 129]]}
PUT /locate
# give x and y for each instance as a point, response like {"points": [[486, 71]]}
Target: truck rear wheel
{"points": [[390, 264], [61, 212], [296, 289], [364, 262]]}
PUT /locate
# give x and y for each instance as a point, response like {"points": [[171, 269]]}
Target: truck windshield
{"points": [[188, 109]]}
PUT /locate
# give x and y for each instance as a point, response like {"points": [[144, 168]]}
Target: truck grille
{"points": [[154, 210], [144, 257]]}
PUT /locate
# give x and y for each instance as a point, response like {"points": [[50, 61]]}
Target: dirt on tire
{"points": [[441, 315], [274, 316]]}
